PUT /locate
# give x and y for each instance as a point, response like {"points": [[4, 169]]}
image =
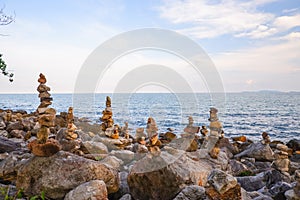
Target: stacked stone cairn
{"points": [[46, 120], [107, 120], [265, 138], [46, 117], [154, 142], [216, 132], [71, 128], [190, 132], [282, 161]]}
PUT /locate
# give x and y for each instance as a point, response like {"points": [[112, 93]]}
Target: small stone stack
{"points": [[282, 160], [265, 138], [154, 142], [107, 120], [190, 128], [71, 135], [215, 126], [124, 130], [46, 117], [151, 128]]}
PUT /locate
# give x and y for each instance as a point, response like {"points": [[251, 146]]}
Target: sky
{"points": [[254, 45]]}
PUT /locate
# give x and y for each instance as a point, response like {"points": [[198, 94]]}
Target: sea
{"points": [[245, 113]]}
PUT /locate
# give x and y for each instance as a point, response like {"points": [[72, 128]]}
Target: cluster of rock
{"points": [[110, 163]]}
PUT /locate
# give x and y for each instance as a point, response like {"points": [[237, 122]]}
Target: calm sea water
{"points": [[244, 113]]}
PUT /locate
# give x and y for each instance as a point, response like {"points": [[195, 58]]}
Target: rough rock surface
{"points": [[60, 173], [252, 183], [221, 181], [7, 145], [95, 189], [192, 192], [164, 176], [259, 151], [294, 144], [95, 147]]}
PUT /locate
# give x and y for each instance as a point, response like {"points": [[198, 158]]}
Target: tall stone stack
{"points": [[151, 128], [107, 120], [215, 125], [46, 117], [71, 128], [215, 131], [43, 146]]}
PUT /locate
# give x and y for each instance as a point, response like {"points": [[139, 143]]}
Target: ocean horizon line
{"points": [[157, 92]]}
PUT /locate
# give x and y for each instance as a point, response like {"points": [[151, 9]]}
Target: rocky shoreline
{"points": [[45, 155]]}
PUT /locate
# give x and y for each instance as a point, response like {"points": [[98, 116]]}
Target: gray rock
{"points": [[112, 162], [124, 188], [294, 144], [126, 197], [10, 165], [84, 136], [237, 167], [259, 151], [125, 155], [60, 173], [95, 147], [278, 190], [245, 195], [163, 176], [252, 183], [273, 177], [17, 134], [3, 133], [290, 195], [95, 189], [221, 181], [2, 124], [28, 123], [7, 145], [14, 126], [259, 196], [192, 192]]}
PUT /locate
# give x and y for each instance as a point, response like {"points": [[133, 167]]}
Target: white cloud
{"points": [[203, 19], [286, 22], [273, 66]]}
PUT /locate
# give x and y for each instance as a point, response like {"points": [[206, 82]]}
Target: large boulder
{"points": [[164, 176], [95, 189], [259, 151], [60, 173], [252, 183]]}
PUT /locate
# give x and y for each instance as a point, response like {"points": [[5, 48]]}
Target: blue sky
{"points": [[255, 45]]}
